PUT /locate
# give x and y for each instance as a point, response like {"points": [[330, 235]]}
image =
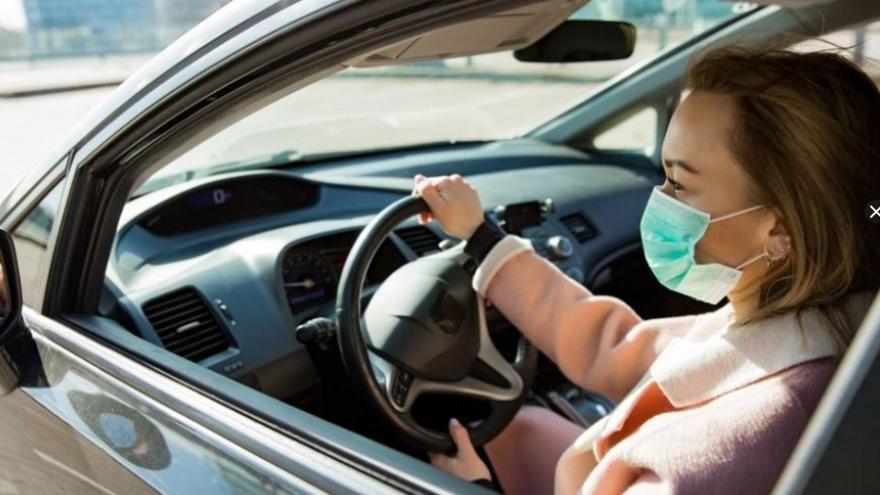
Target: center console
{"points": [[532, 220]]}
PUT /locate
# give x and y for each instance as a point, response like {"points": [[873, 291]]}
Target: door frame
{"points": [[828, 449]]}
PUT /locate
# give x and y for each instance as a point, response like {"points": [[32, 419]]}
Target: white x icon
{"points": [[875, 212]]}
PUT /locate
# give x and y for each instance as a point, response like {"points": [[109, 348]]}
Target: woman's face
{"points": [[702, 172]]}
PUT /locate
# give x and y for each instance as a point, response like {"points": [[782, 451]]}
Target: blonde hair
{"points": [[807, 134]]}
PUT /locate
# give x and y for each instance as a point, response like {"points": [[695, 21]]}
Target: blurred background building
{"points": [[36, 29]]}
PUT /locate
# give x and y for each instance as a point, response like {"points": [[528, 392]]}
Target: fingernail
{"points": [[453, 423]]}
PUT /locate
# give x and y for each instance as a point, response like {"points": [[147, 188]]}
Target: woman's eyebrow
{"points": [[682, 164]]}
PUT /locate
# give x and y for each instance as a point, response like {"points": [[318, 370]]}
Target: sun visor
{"points": [[506, 30]]}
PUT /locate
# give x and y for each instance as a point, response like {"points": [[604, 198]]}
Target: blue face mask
{"points": [[670, 230]]}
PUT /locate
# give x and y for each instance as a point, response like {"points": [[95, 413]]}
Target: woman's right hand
{"points": [[453, 201]]}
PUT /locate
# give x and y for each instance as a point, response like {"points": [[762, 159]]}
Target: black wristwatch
{"points": [[487, 235]]}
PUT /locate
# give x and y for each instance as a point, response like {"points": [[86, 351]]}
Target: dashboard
{"points": [[233, 200], [221, 270]]}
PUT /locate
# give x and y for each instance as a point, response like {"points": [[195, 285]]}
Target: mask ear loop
{"points": [[754, 258], [751, 208], [722, 217]]}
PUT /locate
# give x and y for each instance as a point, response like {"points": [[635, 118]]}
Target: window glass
{"points": [[31, 243], [638, 132], [477, 98]]}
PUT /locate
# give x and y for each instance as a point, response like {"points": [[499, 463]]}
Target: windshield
{"points": [[480, 98]]}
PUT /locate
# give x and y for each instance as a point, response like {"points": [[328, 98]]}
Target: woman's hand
{"points": [[454, 204], [465, 464]]}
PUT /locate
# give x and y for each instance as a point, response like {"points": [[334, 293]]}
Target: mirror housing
{"points": [[10, 312], [582, 41]]}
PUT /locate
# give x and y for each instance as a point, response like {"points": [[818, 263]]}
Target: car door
{"points": [[41, 453], [69, 426]]}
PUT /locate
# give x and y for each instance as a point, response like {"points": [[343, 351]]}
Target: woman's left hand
{"points": [[465, 464]]}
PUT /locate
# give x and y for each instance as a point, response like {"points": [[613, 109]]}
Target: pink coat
{"points": [[702, 410]]}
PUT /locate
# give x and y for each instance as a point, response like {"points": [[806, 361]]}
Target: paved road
{"points": [[32, 126]]}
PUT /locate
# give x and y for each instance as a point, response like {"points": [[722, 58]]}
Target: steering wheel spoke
{"points": [[397, 384]]}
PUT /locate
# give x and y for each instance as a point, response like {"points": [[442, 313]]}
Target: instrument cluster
{"points": [[310, 271]]}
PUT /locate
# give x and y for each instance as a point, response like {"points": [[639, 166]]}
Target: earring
{"points": [[786, 248], [773, 258]]}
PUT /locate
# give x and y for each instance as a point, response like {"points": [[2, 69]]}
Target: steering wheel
{"points": [[424, 330]]}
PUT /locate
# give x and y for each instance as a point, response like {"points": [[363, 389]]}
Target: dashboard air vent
{"points": [[186, 325], [579, 226], [420, 239]]}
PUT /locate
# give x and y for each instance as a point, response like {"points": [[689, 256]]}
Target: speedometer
{"points": [[309, 279]]}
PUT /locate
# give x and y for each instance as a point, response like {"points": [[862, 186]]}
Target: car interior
{"points": [[236, 265], [223, 270]]}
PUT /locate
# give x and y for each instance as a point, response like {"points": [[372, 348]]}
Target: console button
{"points": [[560, 247], [400, 388]]}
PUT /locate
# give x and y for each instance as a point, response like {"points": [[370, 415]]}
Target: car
{"points": [[182, 317]]}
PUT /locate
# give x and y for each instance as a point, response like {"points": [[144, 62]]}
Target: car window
{"points": [[635, 133], [31, 239], [477, 98]]}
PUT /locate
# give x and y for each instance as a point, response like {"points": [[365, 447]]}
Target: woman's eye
{"points": [[675, 185]]}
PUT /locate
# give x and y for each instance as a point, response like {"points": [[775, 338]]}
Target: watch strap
{"points": [[484, 238]]}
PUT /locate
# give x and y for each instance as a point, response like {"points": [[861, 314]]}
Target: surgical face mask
{"points": [[670, 230]]}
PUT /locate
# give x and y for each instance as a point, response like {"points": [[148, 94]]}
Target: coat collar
{"points": [[712, 359]]}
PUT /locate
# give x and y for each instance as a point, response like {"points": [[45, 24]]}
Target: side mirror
{"points": [[582, 41], [10, 312]]}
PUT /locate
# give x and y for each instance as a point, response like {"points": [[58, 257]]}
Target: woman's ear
{"points": [[778, 239]]}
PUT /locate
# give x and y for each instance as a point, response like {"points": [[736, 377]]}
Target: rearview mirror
{"points": [[582, 41], [10, 311]]}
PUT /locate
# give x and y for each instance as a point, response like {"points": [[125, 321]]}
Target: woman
{"points": [[770, 161]]}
